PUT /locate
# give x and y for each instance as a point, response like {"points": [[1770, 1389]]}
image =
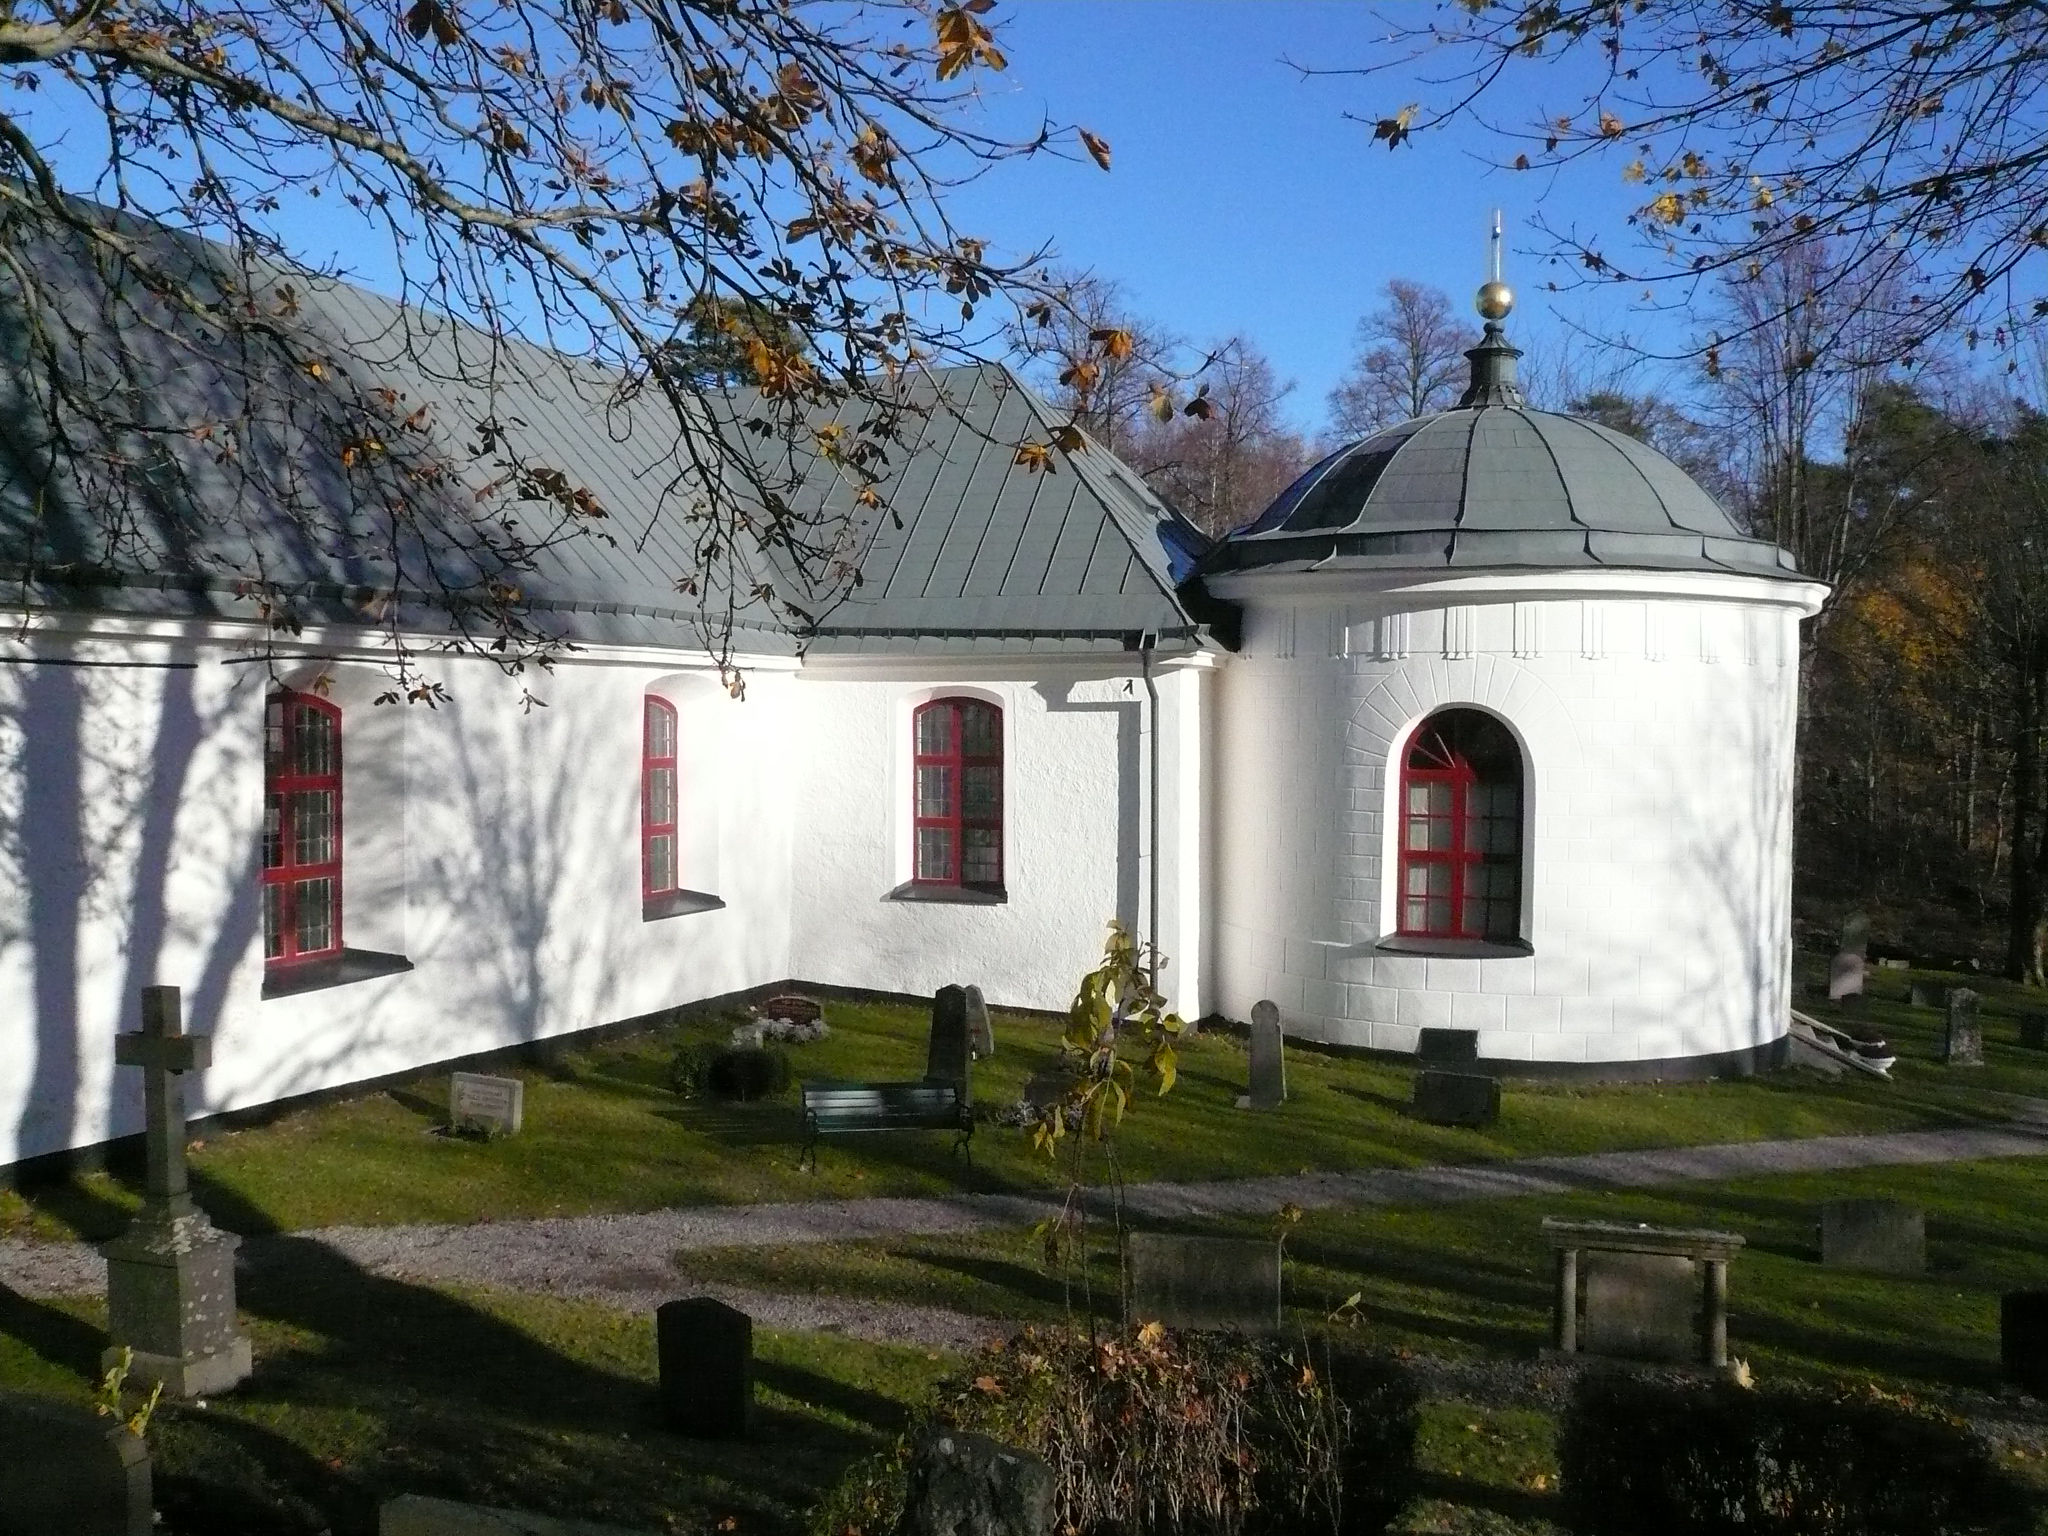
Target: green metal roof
{"points": [[1497, 484]]}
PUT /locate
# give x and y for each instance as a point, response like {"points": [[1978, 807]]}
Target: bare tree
{"points": [[1410, 361], [1753, 126], [1221, 467], [1095, 358], [603, 177]]}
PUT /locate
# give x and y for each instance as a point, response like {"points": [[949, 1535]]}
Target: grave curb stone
{"points": [[496, 1102], [39, 1433], [1235, 1282], [1877, 1236], [413, 1514]]}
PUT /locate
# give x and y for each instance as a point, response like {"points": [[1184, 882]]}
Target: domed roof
{"points": [[1493, 483]]}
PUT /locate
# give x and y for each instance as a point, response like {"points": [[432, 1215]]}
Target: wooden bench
{"points": [[837, 1109]]}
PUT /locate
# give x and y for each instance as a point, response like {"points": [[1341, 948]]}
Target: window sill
{"points": [[1463, 949], [351, 965], [950, 895], [677, 904]]}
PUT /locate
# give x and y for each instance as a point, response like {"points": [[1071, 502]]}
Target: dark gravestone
{"points": [[1447, 1047], [1929, 994], [947, 1053], [1883, 1235], [969, 1485], [171, 1275], [2023, 1340], [981, 1034], [1468, 1099], [706, 1354], [2034, 1031], [1963, 1044], [1641, 1306], [65, 1471], [1268, 1060], [1205, 1282]]}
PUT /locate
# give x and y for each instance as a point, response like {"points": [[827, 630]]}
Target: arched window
{"points": [[957, 794], [301, 829], [658, 799], [1461, 829]]}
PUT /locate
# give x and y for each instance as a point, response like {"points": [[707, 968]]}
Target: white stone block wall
{"points": [[1658, 737]]}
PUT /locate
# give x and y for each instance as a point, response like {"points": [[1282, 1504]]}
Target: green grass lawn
{"points": [[603, 1133]]}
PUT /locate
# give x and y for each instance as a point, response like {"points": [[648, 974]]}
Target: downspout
{"points": [[1146, 642]]}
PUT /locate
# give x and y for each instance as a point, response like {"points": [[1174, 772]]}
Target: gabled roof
{"points": [[969, 549]]}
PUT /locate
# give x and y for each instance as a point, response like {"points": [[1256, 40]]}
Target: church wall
{"points": [[1076, 816], [494, 847], [1658, 739]]}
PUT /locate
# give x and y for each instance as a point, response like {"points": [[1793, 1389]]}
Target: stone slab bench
{"points": [[839, 1109]]}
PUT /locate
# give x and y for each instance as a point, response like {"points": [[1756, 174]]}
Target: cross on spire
{"points": [[164, 1052]]}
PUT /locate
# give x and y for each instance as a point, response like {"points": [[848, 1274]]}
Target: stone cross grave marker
{"points": [[65, 1471], [498, 1104], [1845, 971], [1648, 1293], [981, 1034], [1205, 1282], [947, 1053], [171, 1275], [1882, 1235], [1963, 1043], [1268, 1060], [705, 1350]]}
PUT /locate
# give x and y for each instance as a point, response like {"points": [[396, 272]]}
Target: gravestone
{"points": [[414, 1514], [65, 1471], [1845, 971], [497, 1104], [1468, 1099], [1205, 1282], [1963, 1044], [981, 1034], [706, 1354], [171, 1275], [1641, 1292], [969, 1485], [1268, 1060], [2023, 1340], [1887, 1236], [947, 1053], [1929, 994], [2034, 1031], [1447, 1047]]}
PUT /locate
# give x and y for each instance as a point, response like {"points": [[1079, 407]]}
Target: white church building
{"points": [[1487, 725]]}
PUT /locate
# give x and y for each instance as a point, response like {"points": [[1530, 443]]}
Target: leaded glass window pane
{"points": [[661, 797], [934, 791], [312, 826], [934, 853], [273, 832], [312, 740], [273, 921], [934, 731], [977, 730], [661, 729], [314, 904], [981, 792], [981, 857], [661, 862]]}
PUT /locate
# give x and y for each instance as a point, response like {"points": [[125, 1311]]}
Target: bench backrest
{"points": [[829, 1102]]}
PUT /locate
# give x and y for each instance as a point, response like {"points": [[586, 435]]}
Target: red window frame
{"points": [[1460, 813], [956, 793], [301, 854], [660, 794]]}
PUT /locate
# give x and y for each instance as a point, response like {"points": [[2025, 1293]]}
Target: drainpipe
{"points": [[1146, 642]]}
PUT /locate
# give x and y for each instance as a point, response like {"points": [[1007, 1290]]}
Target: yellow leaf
{"points": [[1667, 208], [1036, 457], [1633, 171], [1116, 342]]}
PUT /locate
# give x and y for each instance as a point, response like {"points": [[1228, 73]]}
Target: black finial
{"points": [[1493, 371]]}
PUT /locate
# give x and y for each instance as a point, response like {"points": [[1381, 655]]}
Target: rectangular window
{"points": [[301, 843], [957, 793], [659, 799]]}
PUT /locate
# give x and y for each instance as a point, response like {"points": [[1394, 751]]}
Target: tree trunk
{"points": [[2022, 957]]}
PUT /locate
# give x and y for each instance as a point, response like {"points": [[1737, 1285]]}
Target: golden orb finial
{"points": [[1495, 298]]}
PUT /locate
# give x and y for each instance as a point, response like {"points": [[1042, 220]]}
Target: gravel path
{"points": [[624, 1261]]}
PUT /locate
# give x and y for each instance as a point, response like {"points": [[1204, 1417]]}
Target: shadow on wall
{"points": [[1130, 764]]}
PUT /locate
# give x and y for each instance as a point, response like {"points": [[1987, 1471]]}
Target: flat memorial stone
{"points": [[1205, 1282], [1887, 1236], [496, 1103], [1640, 1306], [65, 1471], [1469, 1099], [706, 1355]]}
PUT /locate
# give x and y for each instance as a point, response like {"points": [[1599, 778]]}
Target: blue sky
{"points": [[1241, 199]]}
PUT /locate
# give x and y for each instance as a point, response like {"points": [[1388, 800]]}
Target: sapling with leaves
{"points": [[1119, 1021]]}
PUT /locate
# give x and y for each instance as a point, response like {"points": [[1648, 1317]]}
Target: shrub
{"points": [[1643, 1455], [1164, 1433], [747, 1073], [688, 1067]]}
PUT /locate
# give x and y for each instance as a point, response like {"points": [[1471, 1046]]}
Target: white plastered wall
{"points": [[1658, 724], [1076, 828], [496, 848]]}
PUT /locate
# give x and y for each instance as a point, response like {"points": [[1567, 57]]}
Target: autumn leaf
{"points": [[1713, 362], [1036, 457], [1633, 171], [1611, 127], [1098, 148], [988, 1385], [1160, 405], [964, 42], [1151, 1334], [1667, 208], [1068, 439], [1521, 162], [1116, 343], [431, 16], [1394, 129]]}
